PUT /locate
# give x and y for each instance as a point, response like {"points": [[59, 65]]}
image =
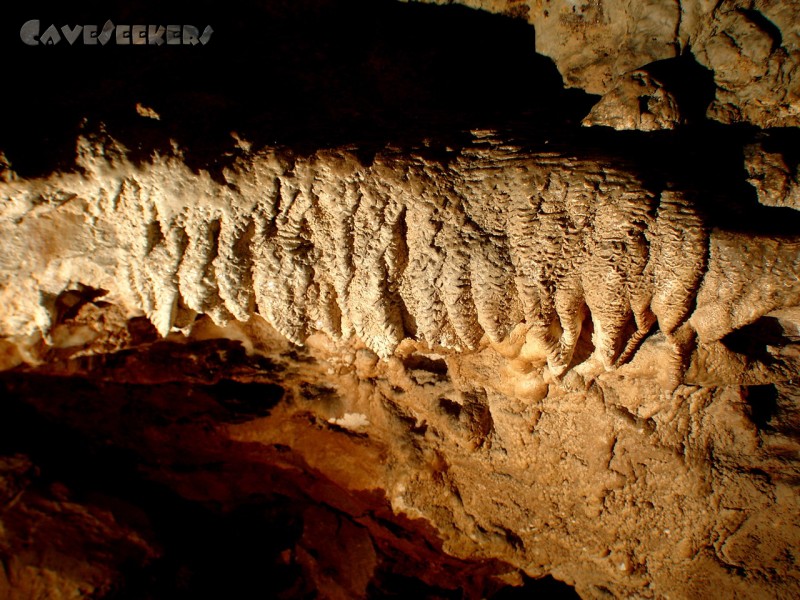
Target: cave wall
{"points": [[425, 319], [750, 47]]}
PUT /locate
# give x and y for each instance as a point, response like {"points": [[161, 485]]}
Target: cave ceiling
{"points": [[380, 299]]}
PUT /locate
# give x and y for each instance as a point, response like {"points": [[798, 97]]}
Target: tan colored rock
{"points": [[637, 102], [621, 489], [752, 47], [491, 370], [461, 369], [402, 248], [753, 50], [776, 183]]}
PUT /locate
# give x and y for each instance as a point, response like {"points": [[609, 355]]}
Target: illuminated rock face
{"points": [[402, 248], [535, 354], [752, 47], [424, 365], [516, 246]]}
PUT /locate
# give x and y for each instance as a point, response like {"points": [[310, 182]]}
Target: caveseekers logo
{"points": [[122, 35]]}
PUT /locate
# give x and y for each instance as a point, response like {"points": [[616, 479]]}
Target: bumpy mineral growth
{"points": [[495, 241]]}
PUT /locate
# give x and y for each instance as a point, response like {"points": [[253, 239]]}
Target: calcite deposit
{"points": [[432, 338]]}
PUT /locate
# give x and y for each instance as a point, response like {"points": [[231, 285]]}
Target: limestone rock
{"points": [[754, 51], [492, 370], [403, 248], [637, 102], [751, 46], [453, 464], [408, 331], [776, 183]]}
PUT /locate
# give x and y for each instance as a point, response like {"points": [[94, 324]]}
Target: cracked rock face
{"points": [[435, 336]]}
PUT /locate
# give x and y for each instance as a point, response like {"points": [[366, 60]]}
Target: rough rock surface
{"points": [[752, 47], [54, 546], [622, 488], [405, 247], [490, 368], [777, 183], [400, 327], [638, 102]]}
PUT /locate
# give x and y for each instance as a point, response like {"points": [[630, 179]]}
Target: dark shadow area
{"points": [[450, 408], [202, 363], [302, 74], [763, 403], [752, 340], [402, 588], [690, 83], [533, 589], [67, 304], [785, 141], [205, 551], [245, 401], [363, 73], [704, 161], [96, 438], [764, 24], [421, 362]]}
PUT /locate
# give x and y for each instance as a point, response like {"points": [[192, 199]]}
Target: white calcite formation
{"points": [[496, 241]]}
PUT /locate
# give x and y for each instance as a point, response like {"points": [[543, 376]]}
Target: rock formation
{"points": [[777, 183], [505, 347], [750, 46]]}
